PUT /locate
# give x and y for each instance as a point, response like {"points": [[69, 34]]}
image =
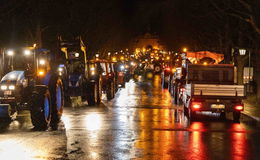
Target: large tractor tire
{"points": [[93, 94], [192, 115], [57, 100], [165, 84], [41, 108]]}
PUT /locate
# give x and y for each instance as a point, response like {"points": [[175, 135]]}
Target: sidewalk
{"points": [[252, 108]]}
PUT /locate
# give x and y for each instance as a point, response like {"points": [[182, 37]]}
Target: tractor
{"points": [[31, 83], [81, 77]]}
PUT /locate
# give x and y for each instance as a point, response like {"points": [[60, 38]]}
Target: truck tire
{"points": [[99, 91], [165, 84], [110, 91], [93, 95], [175, 96], [192, 115], [236, 116], [41, 108], [57, 100]]}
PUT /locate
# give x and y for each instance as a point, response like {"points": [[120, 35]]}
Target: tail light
{"points": [[168, 69], [196, 105], [239, 107], [182, 89]]}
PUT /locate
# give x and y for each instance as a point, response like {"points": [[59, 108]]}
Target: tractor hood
{"points": [[15, 77]]}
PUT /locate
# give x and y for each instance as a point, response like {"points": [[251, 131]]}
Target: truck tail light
{"points": [[239, 107], [196, 105]]}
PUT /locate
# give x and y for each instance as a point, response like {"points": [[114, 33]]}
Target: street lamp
{"points": [[184, 49], [242, 52]]}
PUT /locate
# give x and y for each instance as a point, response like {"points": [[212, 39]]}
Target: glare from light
{"points": [[122, 67], [12, 76], [40, 73], [10, 53], [97, 55], [93, 121], [3, 87], [42, 62], [27, 52], [11, 87], [242, 52], [60, 69], [22, 151], [76, 54], [92, 68], [92, 73]]}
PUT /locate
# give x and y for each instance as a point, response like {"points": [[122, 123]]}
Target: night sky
{"points": [[111, 25]]}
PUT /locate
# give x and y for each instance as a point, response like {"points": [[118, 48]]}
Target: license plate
{"points": [[218, 106], [7, 93]]}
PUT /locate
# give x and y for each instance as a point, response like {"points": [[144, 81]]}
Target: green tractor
{"points": [[31, 83]]}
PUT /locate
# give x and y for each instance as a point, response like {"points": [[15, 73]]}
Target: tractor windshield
{"points": [[19, 60]]}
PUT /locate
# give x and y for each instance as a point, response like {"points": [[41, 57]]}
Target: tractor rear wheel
{"points": [[93, 94], [41, 108], [57, 101]]}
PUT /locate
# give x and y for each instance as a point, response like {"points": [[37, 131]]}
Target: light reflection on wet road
{"points": [[140, 123]]}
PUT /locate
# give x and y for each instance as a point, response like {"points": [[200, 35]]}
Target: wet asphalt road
{"points": [[140, 123]]}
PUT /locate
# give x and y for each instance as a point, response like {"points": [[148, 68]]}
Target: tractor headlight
{"points": [[41, 73], [60, 69], [122, 67], [3, 87], [11, 87], [42, 62], [92, 68]]}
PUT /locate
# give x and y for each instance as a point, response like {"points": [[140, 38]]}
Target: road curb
{"points": [[252, 117]]}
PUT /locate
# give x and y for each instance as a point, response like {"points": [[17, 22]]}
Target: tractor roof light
{"points": [[42, 62], [27, 52], [76, 55], [10, 52]]}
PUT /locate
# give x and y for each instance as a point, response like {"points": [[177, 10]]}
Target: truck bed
{"points": [[215, 90]]}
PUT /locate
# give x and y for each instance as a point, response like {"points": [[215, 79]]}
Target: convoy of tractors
{"points": [[43, 82]]}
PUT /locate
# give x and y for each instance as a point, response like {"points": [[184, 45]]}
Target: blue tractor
{"points": [[31, 83], [81, 77]]}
